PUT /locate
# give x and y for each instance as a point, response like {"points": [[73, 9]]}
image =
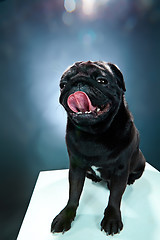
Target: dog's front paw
{"points": [[111, 223], [62, 222]]}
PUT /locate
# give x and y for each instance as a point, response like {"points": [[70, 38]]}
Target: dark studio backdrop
{"points": [[39, 39]]}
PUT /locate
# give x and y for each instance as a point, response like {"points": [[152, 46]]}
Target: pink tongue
{"points": [[80, 102]]}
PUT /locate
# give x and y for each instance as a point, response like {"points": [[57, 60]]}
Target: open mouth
{"points": [[80, 104]]}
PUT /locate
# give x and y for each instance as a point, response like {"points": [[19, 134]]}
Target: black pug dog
{"points": [[102, 140]]}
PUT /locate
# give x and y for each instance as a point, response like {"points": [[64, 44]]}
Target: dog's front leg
{"points": [[112, 222], [62, 222]]}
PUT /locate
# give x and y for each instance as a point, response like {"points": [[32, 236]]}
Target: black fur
{"points": [[108, 140]]}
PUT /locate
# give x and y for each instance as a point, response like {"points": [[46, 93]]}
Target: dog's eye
{"points": [[62, 85], [102, 80]]}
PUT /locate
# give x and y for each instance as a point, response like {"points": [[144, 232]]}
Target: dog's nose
{"points": [[80, 86]]}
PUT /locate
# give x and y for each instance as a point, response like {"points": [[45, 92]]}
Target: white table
{"points": [[140, 209]]}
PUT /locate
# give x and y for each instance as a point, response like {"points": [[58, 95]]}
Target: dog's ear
{"points": [[116, 71]]}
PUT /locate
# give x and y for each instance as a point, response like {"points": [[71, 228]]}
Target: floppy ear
{"points": [[116, 71]]}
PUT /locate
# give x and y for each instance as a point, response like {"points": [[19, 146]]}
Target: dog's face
{"points": [[91, 92]]}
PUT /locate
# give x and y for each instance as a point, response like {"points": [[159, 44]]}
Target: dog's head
{"points": [[92, 92]]}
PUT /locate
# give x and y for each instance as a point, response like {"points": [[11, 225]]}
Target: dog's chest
{"points": [[93, 154], [88, 146]]}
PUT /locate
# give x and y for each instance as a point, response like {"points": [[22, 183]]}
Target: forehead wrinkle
{"points": [[99, 67], [109, 69]]}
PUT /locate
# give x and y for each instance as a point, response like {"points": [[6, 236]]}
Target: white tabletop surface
{"points": [[140, 209]]}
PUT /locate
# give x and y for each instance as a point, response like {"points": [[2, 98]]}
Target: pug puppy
{"points": [[101, 138]]}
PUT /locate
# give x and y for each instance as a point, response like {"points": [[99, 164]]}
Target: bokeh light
{"points": [[88, 6], [70, 5]]}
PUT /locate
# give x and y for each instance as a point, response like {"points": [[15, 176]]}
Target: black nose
{"points": [[79, 86], [82, 86]]}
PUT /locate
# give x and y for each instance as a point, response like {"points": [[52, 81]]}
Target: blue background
{"points": [[39, 39]]}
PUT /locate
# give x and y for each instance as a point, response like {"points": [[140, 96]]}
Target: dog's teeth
{"points": [[98, 109], [86, 112]]}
